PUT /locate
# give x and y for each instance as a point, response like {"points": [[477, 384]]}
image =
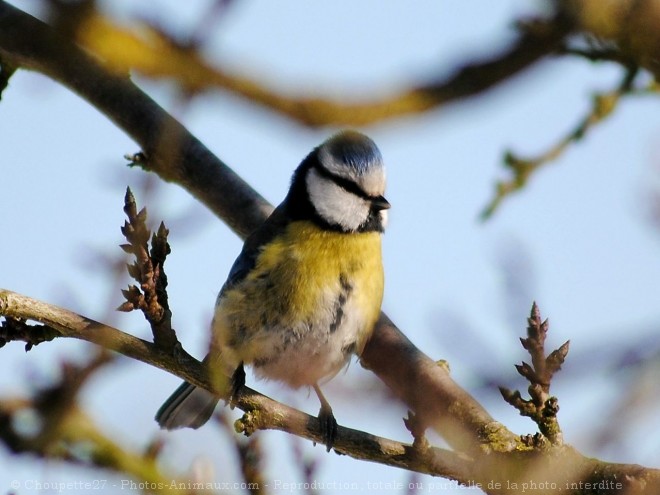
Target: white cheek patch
{"points": [[334, 204], [372, 183]]}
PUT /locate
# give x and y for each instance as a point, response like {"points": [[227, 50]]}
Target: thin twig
{"points": [[521, 169], [17, 329], [597, 54]]}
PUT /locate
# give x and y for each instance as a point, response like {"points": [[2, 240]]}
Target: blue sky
{"points": [[581, 229]]}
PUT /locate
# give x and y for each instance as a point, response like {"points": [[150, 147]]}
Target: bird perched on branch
{"points": [[306, 290]]}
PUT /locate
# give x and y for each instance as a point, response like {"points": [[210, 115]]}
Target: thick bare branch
{"points": [[170, 150], [430, 392]]}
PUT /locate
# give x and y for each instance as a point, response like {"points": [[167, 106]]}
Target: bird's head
{"points": [[343, 181]]}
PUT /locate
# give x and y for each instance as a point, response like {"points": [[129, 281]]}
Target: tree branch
{"points": [[148, 270], [261, 411], [541, 407], [491, 471], [69, 324], [431, 393], [171, 151], [151, 52]]}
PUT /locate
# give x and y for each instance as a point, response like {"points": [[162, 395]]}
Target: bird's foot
{"points": [[327, 421], [328, 426]]}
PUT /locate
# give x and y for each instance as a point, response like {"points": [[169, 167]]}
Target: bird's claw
{"points": [[328, 426]]}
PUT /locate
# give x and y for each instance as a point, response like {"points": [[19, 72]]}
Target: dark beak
{"points": [[380, 203]]}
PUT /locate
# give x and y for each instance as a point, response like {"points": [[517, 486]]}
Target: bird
{"points": [[305, 292]]}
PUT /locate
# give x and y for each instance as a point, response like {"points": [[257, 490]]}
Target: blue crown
{"points": [[355, 150]]}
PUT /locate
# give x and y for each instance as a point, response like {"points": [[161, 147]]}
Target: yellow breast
{"points": [[299, 275]]}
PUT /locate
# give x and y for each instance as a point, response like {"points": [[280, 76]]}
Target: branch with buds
{"points": [[148, 270], [541, 407]]}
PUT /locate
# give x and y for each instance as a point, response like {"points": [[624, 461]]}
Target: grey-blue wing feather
{"points": [[274, 225]]}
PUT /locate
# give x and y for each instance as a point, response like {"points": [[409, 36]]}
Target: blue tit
{"points": [[306, 290]]}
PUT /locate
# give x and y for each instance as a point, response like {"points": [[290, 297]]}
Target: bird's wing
{"points": [[274, 224]]}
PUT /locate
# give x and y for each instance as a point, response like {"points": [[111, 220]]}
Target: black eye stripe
{"points": [[342, 182]]}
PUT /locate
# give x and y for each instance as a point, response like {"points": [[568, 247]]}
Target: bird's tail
{"points": [[188, 407]]}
